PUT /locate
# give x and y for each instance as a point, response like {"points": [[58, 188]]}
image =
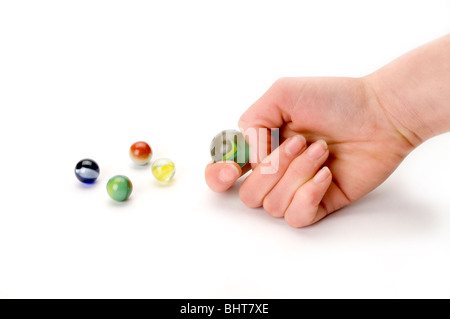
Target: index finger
{"points": [[265, 114]]}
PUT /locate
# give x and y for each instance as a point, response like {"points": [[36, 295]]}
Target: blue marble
{"points": [[87, 171]]}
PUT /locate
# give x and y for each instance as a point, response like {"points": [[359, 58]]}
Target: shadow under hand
{"points": [[386, 213]]}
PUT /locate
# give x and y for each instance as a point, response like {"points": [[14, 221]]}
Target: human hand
{"points": [[353, 148], [364, 128]]}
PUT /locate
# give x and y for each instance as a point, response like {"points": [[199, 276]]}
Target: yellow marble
{"points": [[163, 169]]}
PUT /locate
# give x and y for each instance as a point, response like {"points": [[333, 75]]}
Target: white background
{"points": [[88, 78]]}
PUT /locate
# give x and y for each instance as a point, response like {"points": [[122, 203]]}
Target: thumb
{"points": [[222, 175]]}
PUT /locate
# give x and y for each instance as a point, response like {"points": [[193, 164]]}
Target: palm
{"points": [[365, 147]]}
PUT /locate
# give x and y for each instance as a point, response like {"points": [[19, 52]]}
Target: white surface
{"points": [[88, 78]]}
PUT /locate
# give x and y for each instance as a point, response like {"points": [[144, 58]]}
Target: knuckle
{"points": [[281, 86], [242, 124], [310, 197], [271, 208], [299, 219], [248, 198], [281, 82]]}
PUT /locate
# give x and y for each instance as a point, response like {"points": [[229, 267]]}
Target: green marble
{"points": [[119, 188], [230, 145]]}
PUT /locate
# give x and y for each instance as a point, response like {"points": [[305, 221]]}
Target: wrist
{"points": [[414, 91]]}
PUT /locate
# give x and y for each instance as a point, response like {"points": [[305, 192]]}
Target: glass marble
{"points": [[87, 171], [119, 188], [230, 145], [163, 169], [141, 153]]}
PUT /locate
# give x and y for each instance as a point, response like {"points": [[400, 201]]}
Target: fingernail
{"points": [[322, 175], [228, 173], [294, 145], [317, 149]]}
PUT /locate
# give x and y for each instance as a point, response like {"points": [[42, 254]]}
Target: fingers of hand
{"points": [[305, 208], [289, 182], [266, 175], [220, 176], [300, 171]]}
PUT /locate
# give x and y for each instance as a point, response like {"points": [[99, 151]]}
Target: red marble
{"points": [[140, 153]]}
